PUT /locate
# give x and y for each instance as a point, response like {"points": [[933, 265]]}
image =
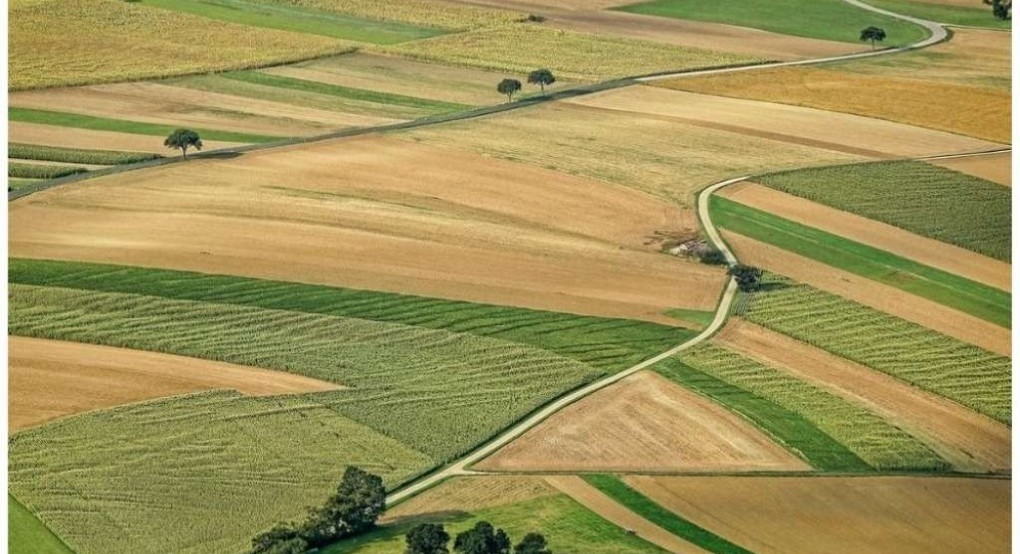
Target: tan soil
{"points": [[164, 104], [997, 168], [612, 511], [469, 493], [970, 441], [871, 293], [52, 135], [44, 162], [50, 379], [807, 126], [643, 423], [836, 515], [927, 251], [383, 214]]}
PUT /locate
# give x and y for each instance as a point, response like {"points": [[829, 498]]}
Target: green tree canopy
{"points": [[482, 539], [532, 543], [509, 87], [748, 277], [182, 139], [427, 538], [541, 77], [359, 500], [873, 34]]}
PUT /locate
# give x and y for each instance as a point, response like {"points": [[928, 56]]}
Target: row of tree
{"points": [[483, 538], [510, 87]]}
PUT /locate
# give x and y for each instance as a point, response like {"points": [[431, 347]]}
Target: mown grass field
{"points": [[75, 156], [787, 427], [924, 199], [647, 508], [977, 299], [979, 15], [821, 19], [879, 443], [967, 374], [28, 535], [41, 171], [426, 13]]}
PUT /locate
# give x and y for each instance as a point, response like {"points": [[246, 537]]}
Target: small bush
{"points": [[712, 257]]}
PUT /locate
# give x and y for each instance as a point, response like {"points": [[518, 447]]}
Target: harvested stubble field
{"points": [[643, 423], [997, 168], [38, 134], [51, 379], [43, 32], [665, 157], [967, 374], [968, 440], [876, 441], [395, 216], [876, 515], [921, 198]]}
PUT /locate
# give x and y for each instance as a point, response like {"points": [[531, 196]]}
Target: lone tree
{"points": [[427, 538], [748, 277], [541, 77], [359, 500], [183, 138], [509, 87], [532, 543], [873, 34], [1002, 9], [482, 539]]}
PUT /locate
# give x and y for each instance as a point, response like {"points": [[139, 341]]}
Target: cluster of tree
{"points": [[540, 77], [359, 500], [1001, 9], [748, 277], [483, 538], [872, 34], [712, 256], [182, 139]]}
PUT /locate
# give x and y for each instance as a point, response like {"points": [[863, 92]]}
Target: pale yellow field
{"points": [[997, 168], [52, 135], [452, 16], [71, 42]]}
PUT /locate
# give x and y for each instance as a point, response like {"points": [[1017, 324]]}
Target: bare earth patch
{"points": [[885, 237], [871, 293], [462, 494], [382, 214], [836, 515], [997, 168], [50, 379], [643, 423], [52, 135], [970, 441]]}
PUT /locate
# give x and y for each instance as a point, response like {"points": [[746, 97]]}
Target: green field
{"points": [[284, 16], [879, 443], [647, 508], [78, 121], [785, 426], [980, 15], [698, 317], [28, 535], [15, 184], [928, 200], [198, 473], [821, 19], [967, 374], [41, 171], [76, 156], [971, 297], [607, 344]]}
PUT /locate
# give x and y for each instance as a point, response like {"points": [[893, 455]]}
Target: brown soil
{"points": [[383, 214], [836, 515], [52, 135], [997, 168], [822, 129], [462, 494], [927, 251], [970, 441], [610, 510], [643, 423], [50, 379], [871, 293]]}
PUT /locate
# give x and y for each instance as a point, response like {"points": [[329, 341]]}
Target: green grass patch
{"points": [[76, 156], [879, 443], [78, 121], [934, 362], [41, 171], [288, 17], [28, 535], [699, 317], [971, 297], [925, 199], [821, 19], [785, 426], [15, 184], [980, 15], [647, 508], [604, 343]]}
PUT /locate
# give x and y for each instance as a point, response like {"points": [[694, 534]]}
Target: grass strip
{"points": [[79, 121], [15, 184], [37, 171], [29, 535], [365, 95], [960, 293], [648, 509], [75, 155], [786, 426], [699, 317]]}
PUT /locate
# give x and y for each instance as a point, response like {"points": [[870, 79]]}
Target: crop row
{"points": [[76, 156], [38, 171]]}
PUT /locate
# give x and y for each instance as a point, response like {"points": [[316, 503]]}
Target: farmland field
{"points": [[953, 13], [924, 199], [28, 535], [23, 170], [997, 168], [969, 375], [71, 155]]}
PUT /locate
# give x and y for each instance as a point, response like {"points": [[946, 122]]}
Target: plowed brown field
{"points": [[50, 379], [836, 515], [52, 135], [383, 214], [970, 441], [886, 237], [871, 293], [997, 168], [643, 423]]}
